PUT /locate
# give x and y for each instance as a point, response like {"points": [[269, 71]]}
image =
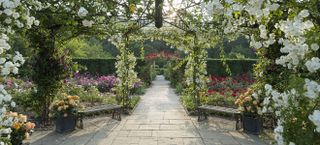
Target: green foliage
{"points": [[50, 68], [139, 90], [179, 88], [173, 73], [188, 102], [110, 99], [217, 99], [237, 66], [232, 49], [88, 94], [146, 72], [82, 47], [107, 67], [134, 101], [97, 66], [24, 99]]}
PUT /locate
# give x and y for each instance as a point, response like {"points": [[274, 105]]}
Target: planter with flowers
{"points": [[250, 105], [64, 112], [20, 128]]}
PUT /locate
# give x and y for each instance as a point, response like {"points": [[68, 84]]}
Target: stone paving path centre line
{"points": [[159, 119]]}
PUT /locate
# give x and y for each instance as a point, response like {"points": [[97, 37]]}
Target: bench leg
{"points": [[202, 115], [80, 118], [238, 121], [113, 113], [116, 114], [119, 115]]}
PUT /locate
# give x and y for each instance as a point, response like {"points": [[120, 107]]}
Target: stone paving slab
{"points": [[159, 119]]}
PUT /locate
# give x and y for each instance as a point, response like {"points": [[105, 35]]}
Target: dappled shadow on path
{"points": [[95, 129]]}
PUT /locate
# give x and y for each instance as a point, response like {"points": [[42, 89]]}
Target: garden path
{"points": [[159, 119]]}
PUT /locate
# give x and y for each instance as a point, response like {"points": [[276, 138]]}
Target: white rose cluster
{"points": [[278, 133], [87, 23], [313, 65], [298, 53], [294, 42], [82, 12], [14, 14], [313, 89], [315, 118]]}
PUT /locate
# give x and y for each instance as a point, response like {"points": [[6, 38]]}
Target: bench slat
{"points": [[99, 109], [220, 109]]}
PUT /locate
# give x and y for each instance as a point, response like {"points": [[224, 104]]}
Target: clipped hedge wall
{"points": [[107, 67], [237, 66], [214, 66], [97, 66]]}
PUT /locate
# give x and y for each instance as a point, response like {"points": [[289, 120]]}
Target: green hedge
{"points": [[237, 66], [98, 66], [107, 67], [214, 66]]}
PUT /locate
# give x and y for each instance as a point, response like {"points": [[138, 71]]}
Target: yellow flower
{"points": [[22, 118], [16, 125], [72, 102], [65, 115], [132, 8], [59, 108], [247, 99], [13, 114]]}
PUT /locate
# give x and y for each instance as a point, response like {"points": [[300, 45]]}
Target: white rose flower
{"points": [[303, 14], [15, 70], [314, 46], [15, 15], [313, 89], [315, 118], [87, 23], [2, 60], [82, 12], [8, 20], [19, 24], [313, 65], [36, 22], [13, 104], [8, 12]]}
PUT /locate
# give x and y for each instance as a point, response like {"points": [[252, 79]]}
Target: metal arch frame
{"points": [[143, 22]]}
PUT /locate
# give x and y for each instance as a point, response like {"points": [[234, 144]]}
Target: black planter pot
{"points": [[66, 124], [252, 124]]}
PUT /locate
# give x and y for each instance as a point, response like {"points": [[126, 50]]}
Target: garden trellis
{"points": [[286, 34]]}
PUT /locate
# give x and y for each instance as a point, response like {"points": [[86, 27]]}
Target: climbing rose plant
{"points": [[286, 34], [13, 16], [126, 76]]}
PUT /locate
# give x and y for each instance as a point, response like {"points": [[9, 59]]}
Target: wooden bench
{"points": [[116, 112], [235, 113]]}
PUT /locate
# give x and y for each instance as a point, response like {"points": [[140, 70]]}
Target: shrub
{"points": [[106, 83], [218, 99], [139, 88], [134, 101], [65, 106], [179, 88], [188, 102]]}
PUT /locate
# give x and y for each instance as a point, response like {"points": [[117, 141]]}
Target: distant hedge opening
{"points": [[214, 66], [237, 66]]}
